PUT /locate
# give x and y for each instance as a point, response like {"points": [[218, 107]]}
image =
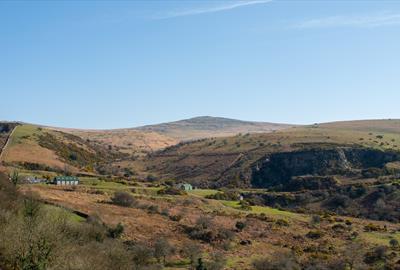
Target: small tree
{"points": [[200, 265], [14, 177], [193, 252], [31, 208], [162, 249]]}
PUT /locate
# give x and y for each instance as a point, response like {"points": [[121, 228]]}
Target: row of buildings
{"points": [[58, 180]]}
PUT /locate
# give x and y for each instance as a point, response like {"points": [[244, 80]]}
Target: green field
{"points": [[24, 132]]}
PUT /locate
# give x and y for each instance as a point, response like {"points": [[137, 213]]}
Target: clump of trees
{"points": [[206, 230], [123, 198]]}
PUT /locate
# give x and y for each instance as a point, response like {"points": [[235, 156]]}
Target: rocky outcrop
{"points": [[278, 169]]}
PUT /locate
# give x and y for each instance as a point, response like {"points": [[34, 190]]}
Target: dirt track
{"points": [[6, 144]]}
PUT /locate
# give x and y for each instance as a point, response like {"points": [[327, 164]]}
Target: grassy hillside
{"points": [[142, 140], [239, 237], [206, 126], [377, 126], [129, 141], [36, 148], [230, 160]]}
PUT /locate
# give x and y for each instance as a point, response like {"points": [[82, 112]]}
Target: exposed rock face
{"points": [[279, 168]]}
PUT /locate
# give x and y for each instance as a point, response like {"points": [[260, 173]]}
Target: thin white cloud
{"points": [[197, 11], [374, 20]]}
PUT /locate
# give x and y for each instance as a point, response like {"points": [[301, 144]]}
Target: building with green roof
{"points": [[66, 180]]}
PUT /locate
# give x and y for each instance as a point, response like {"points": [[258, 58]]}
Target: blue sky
{"points": [[89, 64]]}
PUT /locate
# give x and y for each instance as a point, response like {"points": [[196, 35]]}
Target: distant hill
{"points": [[207, 126], [94, 151], [142, 140], [384, 125]]}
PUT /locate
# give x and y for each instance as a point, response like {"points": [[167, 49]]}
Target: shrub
{"points": [[316, 234], [394, 243], [229, 195], [123, 199], [244, 205], [153, 209], [206, 231], [151, 178], [282, 223], [240, 225], [142, 255], [338, 201], [280, 261], [339, 228], [376, 255], [171, 191], [372, 228], [116, 232], [315, 219], [176, 218], [218, 262], [165, 212]]}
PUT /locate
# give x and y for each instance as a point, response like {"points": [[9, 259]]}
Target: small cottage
{"points": [[66, 180], [33, 180], [184, 186]]}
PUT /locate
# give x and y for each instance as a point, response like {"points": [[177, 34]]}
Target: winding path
{"points": [[2, 150]]}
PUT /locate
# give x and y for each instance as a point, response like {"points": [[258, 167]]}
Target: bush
{"points": [[394, 243], [372, 228], [244, 205], [206, 231], [218, 262], [377, 255], [240, 225], [229, 195], [153, 209], [151, 178], [123, 199], [176, 218], [116, 232], [171, 191], [282, 223], [142, 255], [338, 201], [315, 234], [280, 261]]}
